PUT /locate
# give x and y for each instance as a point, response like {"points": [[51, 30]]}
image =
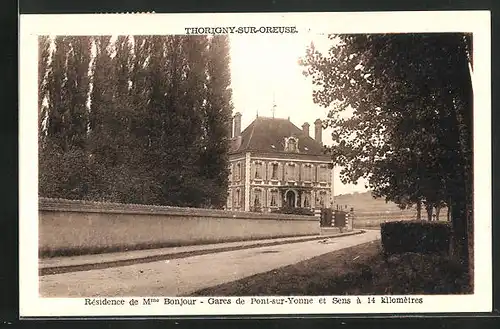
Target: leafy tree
{"points": [[177, 74], [62, 160], [76, 89], [122, 152], [218, 109], [410, 128], [101, 127], [192, 187], [147, 123], [43, 66], [57, 117]]}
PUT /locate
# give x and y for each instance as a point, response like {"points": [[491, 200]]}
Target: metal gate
{"points": [[329, 218]]}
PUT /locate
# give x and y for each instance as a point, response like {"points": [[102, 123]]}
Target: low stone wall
{"points": [[69, 227]]}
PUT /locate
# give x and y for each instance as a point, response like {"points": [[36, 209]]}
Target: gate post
{"points": [[326, 217], [350, 220]]}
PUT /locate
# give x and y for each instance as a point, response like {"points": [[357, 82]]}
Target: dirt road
{"points": [[182, 276]]}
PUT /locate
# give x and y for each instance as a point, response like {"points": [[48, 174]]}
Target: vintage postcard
{"points": [[255, 164]]}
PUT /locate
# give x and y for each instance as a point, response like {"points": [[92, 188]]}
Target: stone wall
{"points": [[79, 227]]}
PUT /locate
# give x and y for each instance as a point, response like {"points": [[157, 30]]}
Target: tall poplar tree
{"points": [[63, 163], [43, 67], [185, 100], [155, 131], [58, 116], [143, 184], [217, 116], [76, 89]]}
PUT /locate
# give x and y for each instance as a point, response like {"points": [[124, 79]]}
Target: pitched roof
{"points": [[266, 134]]}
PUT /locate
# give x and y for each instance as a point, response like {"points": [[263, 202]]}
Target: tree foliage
{"points": [[140, 116], [217, 119], [401, 112], [63, 121]]}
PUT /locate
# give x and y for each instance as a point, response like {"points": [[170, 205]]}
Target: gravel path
{"points": [[177, 277]]}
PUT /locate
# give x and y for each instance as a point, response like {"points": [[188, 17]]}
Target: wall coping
{"points": [[49, 204]]}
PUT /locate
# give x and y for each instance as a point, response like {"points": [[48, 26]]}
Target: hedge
{"points": [[415, 236]]}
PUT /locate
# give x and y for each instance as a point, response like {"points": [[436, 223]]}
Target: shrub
{"points": [[415, 236]]}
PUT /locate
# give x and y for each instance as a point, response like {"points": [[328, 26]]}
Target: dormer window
{"points": [[291, 144]]}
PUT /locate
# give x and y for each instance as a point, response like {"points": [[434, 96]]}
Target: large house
{"points": [[274, 165]]}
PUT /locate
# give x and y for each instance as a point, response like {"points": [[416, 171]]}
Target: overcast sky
{"points": [[264, 67]]}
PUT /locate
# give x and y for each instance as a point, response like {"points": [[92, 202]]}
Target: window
{"points": [[257, 198], [291, 144], [274, 198], [307, 200], [274, 171], [290, 172], [322, 174], [322, 199], [236, 200], [308, 173], [237, 172], [258, 170]]}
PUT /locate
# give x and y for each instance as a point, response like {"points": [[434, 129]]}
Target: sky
{"points": [[265, 69]]}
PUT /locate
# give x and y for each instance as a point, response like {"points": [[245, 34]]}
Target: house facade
{"points": [[276, 165]]}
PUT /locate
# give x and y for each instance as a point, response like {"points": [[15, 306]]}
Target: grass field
{"points": [[370, 212], [365, 205], [359, 270]]}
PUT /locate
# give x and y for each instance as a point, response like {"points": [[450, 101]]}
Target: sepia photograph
{"points": [[260, 165]]}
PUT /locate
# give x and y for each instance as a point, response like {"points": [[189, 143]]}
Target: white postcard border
{"points": [[477, 22]]}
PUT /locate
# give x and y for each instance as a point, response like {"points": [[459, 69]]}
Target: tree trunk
{"points": [[419, 210], [464, 115], [428, 209], [460, 232], [438, 210]]}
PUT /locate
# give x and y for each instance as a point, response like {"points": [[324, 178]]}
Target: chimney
{"points": [[318, 131], [305, 129], [230, 128], [237, 124]]}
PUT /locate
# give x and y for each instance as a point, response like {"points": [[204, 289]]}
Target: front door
{"points": [[290, 199]]}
